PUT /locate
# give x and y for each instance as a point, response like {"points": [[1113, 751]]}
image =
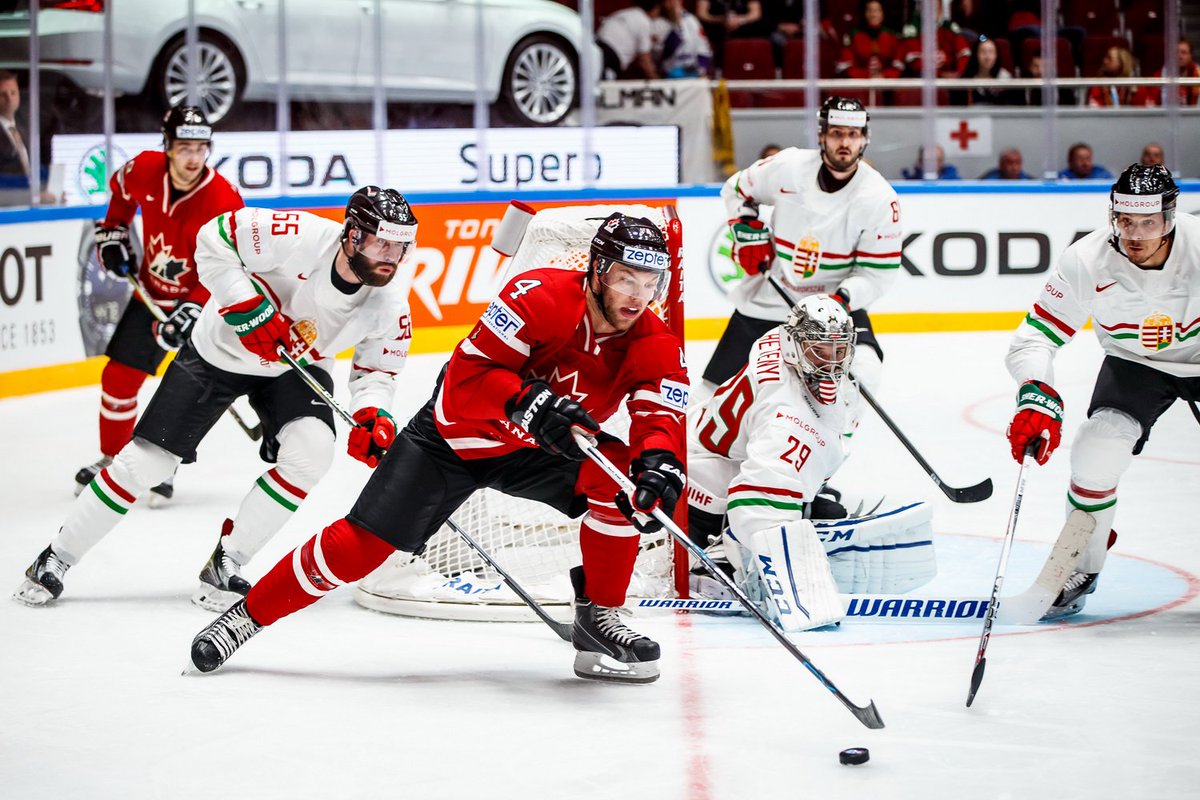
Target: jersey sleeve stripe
{"points": [[763, 501], [361, 368], [230, 237], [1038, 325], [1055, 321], [747, 487]]}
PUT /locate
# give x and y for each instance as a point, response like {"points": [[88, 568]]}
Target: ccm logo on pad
{"points": [[502, 320]]}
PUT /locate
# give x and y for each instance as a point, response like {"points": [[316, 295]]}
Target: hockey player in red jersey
{"points": [[177, 193], [555, 350]]}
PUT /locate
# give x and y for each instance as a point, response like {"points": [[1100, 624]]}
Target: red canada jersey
{"points": [[538, 327], [168, 268]]}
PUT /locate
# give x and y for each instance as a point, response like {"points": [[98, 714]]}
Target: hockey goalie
{"points": [[759, 453]]}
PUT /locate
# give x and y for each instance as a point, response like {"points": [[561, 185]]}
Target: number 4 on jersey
{"points": [[523, 286]]}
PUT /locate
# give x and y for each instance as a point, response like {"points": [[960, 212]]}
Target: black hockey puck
{"points": [[854, 755]]}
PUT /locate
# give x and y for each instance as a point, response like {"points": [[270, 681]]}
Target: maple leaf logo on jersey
{"points": [[559, 382], [165, 265]]}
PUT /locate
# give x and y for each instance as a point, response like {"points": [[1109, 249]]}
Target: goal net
{"points": [[534, 543]]}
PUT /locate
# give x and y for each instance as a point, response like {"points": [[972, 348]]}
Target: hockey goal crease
{"points": [[534, 543]]}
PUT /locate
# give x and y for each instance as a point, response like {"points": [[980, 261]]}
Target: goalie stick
{"points": [[963, 494], [868, 715], [253, 431]]}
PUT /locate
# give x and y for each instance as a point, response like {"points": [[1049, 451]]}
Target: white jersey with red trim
{"points": [[762, 446], [849, 239], [1149, 316], [288, 257]]}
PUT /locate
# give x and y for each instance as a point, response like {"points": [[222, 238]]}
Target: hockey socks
{"points": [[608, 556], [268, 505], [342, 553], [119, 385]]}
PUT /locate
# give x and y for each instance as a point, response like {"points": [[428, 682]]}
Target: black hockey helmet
{"points": [[635, 242], [1142, 190], [387, 216], [848, 112], [185, 123]]}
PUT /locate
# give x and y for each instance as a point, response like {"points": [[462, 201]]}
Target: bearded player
{"points": [[555, 350]]}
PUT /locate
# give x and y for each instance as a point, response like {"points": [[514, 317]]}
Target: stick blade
{"points": [[976, 680], [868, 715], [969, 494]]}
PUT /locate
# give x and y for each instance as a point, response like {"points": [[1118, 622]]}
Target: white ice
{"points": [[340, 702]]}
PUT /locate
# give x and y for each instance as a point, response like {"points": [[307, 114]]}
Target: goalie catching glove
{"points": [[1038, 419], [172, 333], [372, 436], [112, 249], [753, 244], [262, 328], [548, 418], [658, 482]]}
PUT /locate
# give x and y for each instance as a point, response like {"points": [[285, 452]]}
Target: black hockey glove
{"points": [[172, 334], [658, 481], [112, 249], [549, 418]]}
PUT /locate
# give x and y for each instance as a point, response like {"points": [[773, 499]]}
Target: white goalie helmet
{"points": [[821, 339]]}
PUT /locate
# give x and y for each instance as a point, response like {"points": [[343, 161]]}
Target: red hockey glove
{"points": [[753, 245], [549, 418], [1038, 419], [112, 249], [658, 482], [843, 297], [372, 436], [171, 334], [260, 326]]}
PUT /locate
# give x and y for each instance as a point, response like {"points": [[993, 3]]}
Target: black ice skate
{"points": [[221, 581], [606, 649], [216, 643], [43, 579], [160, 495], [88, 474], [1073, 596]]}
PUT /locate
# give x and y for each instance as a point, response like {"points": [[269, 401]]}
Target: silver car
{"points": [[530, 56]]}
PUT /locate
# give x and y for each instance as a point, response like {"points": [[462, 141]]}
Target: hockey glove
{"points": [[372, 436], [260, 326], [549, 418], [753, 245], [658, 483], [172, 334], [1038, 419], [112, 249]]}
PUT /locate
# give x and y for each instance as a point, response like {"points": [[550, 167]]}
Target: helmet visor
{"points": [[1140, 227], [827, 358], [636, 282], [389, 246]]}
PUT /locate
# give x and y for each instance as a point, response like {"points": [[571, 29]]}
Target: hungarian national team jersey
{"points": [[538, 328], [1149, 316], [168, 268], [850, 238]]}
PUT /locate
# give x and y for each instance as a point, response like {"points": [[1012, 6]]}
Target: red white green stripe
{"points": [[1091, 500], [279, 490], [1050, 326], [858, 258], [111, 493], [745, 494]]}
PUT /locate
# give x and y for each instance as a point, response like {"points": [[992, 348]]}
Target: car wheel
{"points": [[541, 81], [220, 76]]}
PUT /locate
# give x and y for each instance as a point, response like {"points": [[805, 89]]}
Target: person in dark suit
{"points": [[14, 150]]}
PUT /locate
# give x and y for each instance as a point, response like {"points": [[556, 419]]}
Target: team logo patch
{"points": [[675, 395], [806, 258], [502, 321], [1158, 331]]}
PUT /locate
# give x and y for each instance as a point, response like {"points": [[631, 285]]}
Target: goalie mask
{"points": [[185, 123], [636, 243], [843, 112], [381, 230], [820, 339], [1141, 212]]}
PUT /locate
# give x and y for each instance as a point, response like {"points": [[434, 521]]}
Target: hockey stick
{"points": [[868, 715], [254, 432], [964, 494], [1006, 548], [1029, 606]]}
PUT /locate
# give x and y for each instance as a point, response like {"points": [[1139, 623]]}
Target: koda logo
{"points": [[257, 171]]}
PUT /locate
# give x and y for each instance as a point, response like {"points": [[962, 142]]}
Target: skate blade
{"points": [[32, 594], [79, 487], [599, 667], [156, 500], [210, 598]]}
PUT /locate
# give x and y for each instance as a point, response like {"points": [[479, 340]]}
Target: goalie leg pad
{"points": [[886, 553], [788, 571]]}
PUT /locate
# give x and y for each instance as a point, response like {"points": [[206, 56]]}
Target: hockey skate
{"points": [[224, 635], [160, 495], [43, 579], [87, 474], [221, 581], [607, 650], [1073, 597]]}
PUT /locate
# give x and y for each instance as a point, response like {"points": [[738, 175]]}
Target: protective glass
{"points": [[642, 284], [1140, 227]]}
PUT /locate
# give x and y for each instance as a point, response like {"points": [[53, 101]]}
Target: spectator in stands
{"points": [[870, 50], [1118, 63], [984, 63], [14, 151], [626, 39], [768, 151], [1033, 97], [681, 48], [730, 19], [1080, 165], [945, 172], [784, 20], [1152, 154], [977, 18], [1188, 95], [1009, 167], [953, 50]]}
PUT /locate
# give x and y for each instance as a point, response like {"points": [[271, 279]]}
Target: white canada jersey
{"points": [[1151, 317], [762, 446], [850, 238], [288, 257]]}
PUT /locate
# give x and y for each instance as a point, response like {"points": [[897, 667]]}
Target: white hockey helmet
{"points": [[820, 339]]}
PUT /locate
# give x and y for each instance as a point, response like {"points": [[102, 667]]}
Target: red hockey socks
{"points": [[607, 560], [119, 385], [342, 553]]}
